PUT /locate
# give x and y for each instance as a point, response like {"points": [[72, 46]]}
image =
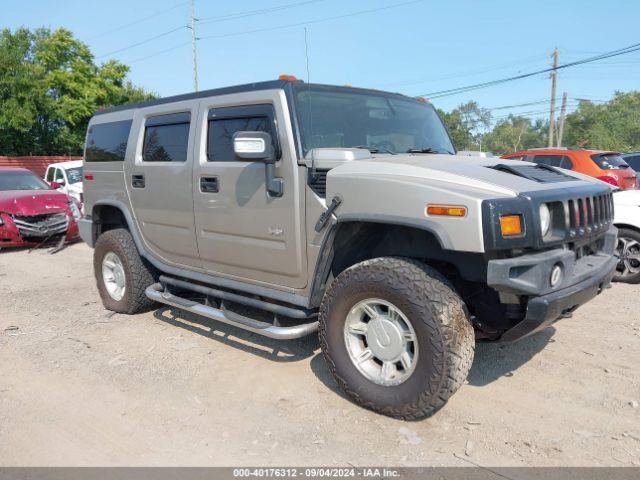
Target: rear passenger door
{"points": [[243, 231], [160, 182]]}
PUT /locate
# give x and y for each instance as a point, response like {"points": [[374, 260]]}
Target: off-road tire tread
{"points": [[140, 274], [429, 290]]}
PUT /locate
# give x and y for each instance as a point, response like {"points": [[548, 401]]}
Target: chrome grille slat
{"points": [[41, 225]]}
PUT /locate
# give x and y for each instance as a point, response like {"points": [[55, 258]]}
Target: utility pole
{"points": [[563, 111], [193, 46], [552, 112]]}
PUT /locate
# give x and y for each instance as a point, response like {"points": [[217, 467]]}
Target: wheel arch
{"points": [[353, 241]]}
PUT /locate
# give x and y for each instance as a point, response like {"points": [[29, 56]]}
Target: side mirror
{"points": [[258, 146], [253, 146], [56, 185]]}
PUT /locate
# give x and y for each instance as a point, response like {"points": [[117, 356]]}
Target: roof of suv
{"points": [[248, 87]]}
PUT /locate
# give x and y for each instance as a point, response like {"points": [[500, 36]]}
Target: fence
{"points": [[37, 164]]}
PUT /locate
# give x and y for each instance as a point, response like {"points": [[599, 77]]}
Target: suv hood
{"points": [[471, 173], [32, 202]]}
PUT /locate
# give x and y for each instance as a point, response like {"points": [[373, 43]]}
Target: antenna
{"points": [[194, 56], [306, 55]]}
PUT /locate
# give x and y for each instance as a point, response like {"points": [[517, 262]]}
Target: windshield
{"points": [[608, 161], [74, 175], [21, 181], [385, 123]]}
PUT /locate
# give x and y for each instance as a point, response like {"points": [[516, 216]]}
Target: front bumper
{"points": [[528, 276], [12, 236]]}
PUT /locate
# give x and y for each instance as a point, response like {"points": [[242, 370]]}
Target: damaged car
{"points": [[32, 213]]}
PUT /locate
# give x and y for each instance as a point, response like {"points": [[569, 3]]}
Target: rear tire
{"points": [[429, 311], [628, 252], [122, 275]]}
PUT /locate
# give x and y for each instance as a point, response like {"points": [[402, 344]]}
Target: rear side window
{"points": [[224, 122], [166, 138], [107, 142], [608, 161], [633, 161], [50, 172], [561, 161]]}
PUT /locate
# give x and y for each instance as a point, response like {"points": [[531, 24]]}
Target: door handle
{"points": [[209, 184], [137, 181]]}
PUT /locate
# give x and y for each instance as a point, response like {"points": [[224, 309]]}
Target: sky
{"points": [[411, 47]]}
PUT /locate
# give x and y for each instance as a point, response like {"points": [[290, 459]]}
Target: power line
{"points": [[147, 57], [468, 88], [163, 34], [310, 22], [251, 13], [135, 22]]}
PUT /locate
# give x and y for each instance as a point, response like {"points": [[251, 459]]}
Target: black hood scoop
{"points": [[537, 173]]}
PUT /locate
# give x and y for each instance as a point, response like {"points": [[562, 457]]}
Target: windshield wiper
{"points": [[423, 150], [376, 149]]}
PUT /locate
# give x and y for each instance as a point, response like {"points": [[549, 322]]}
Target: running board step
{"points": [[157, 293]]}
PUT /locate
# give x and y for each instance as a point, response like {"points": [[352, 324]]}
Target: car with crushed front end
{"points": [[32, 213], [285, 208]]}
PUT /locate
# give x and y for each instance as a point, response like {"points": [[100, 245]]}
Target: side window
{"points": [[517, 157], [50, 172], [634, 162], [107, 142], [59, 175], [224, 122], [552, 160], [166, 138], [566, 163]]}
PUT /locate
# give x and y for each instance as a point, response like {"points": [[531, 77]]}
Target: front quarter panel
{"points": [[374, 193]]}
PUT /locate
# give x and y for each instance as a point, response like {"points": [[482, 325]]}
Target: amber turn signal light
{"points": [[511, 225], [446, 210]]}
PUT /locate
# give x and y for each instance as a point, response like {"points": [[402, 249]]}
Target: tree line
{"points": [[50, 86], [612, 125]]}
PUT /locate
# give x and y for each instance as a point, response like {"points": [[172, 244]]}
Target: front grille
{"points": [[587, 215], [41, 225], [318, 182]]}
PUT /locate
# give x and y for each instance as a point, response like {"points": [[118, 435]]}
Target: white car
{"points": [[627, 219], [66, 177]]}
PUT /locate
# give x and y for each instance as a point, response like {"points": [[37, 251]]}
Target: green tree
{"points": [[465, 124], [50, 86], [614, 125], [515, 133]]}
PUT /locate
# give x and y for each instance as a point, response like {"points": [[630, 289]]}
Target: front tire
{"points": [[628, 252], [122, 275], [384, 300]]}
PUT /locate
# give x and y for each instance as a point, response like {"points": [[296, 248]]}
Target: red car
{"points": [[31, 212]]}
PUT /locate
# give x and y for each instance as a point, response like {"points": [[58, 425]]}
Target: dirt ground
{"points": [[82, 386]]}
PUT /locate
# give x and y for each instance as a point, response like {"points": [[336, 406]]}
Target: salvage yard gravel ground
{"points": [[83, 386]]}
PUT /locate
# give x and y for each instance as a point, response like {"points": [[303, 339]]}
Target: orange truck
{"points": [[607, 166]]}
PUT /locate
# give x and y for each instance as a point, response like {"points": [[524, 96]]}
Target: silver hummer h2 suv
{"points": [[285, 208]]}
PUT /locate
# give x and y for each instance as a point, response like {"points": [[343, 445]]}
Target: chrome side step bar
{"points": [[157, 293]]}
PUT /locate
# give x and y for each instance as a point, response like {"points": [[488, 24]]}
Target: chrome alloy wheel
{"points": [[628, 253], [381, 342], [113, 276]]}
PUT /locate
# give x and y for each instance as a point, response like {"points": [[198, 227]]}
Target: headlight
{"points": [[74, 210], [545, 219]]}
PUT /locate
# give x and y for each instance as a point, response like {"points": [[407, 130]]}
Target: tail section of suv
{"points": [[286, 208], [610, 167]]}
